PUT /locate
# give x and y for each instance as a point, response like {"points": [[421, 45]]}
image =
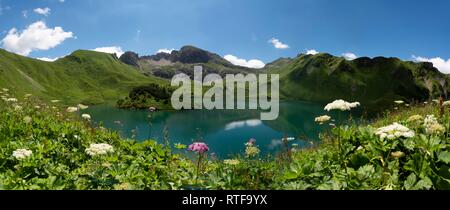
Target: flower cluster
{"points": [[21, 154], [432, 126], [72, 109], [394, 131], [86, 116], [252, 151], [99, 149], [82, 107], [414, 118], [322, 119], [341, 105], [399, 102], [199, 147], [232, 162]]}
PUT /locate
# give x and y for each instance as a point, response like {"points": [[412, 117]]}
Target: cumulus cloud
{"points": [[278, 44], [254, 63], [48, 59], [111, 50], [439, 63], [349, 56], [312, 52], [42, 11], [36, 36], [165, 50]]}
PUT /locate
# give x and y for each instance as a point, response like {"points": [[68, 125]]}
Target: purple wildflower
{"points": [[199, 147]]}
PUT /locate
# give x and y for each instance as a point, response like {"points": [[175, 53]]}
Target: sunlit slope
{"points": [[84, 76]]}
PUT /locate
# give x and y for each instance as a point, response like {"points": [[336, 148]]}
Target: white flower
{"points": [[354, 104], [37, 107], [446, 103], [99, 149], [86, 116], [11, 100], [432, 126], [72, 109], [27, 119], [82, 107], [322, 119], [394, 131], [22, 153], [54, 101], [27, 95], [17, 107], [341, 105], [399, 102], [5, 90], [435, 101]]}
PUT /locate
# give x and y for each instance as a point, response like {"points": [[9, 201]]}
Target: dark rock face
{"points": [[186, 55], [130, 58]]}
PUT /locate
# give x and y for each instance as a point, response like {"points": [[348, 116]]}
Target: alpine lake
{"points": [[225, 131]]}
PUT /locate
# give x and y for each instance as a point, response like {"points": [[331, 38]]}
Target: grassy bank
{"points": [[42, 146]]}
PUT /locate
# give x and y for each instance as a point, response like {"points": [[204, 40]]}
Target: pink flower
{"points": [[199, 147], [251, 142]]}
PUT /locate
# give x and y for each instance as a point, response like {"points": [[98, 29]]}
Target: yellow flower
{"points": [[232, 162], [415, 118], [398, 154]]}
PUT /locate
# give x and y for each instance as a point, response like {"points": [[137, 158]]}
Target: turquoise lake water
{"points": [[225, 131]]}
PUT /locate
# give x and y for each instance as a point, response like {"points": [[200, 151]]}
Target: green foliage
{"points": [[83, 77], [58, 142]]}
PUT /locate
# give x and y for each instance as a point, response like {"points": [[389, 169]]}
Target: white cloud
{"points": [[349, 56], [312, 52], [278, 44], [165, 51], [42, 11], [240, 124], [439, 63], [35, 37], [256, 64], [48, 59], [111, 50]]}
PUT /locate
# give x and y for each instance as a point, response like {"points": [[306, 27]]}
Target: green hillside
{"points": [[375, 82], [82, 77]]}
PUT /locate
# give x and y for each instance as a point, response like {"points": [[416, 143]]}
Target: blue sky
{"points": [[241, 28]]}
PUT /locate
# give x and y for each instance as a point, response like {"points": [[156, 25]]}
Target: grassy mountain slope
{"points": [[375, 82], [83, 76]]}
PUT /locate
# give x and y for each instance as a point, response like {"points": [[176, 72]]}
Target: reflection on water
{"points": [[225, 131]]}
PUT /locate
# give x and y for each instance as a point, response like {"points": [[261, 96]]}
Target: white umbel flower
{"points": [[11, 100], [322, 119], [86, 116], [446, 103], [394, 131], [72, 109], [99, 149], [341, 105], [21, 154], [82, 107], [432, 126]]}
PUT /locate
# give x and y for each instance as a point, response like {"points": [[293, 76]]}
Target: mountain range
{"points": [[93, 77]]}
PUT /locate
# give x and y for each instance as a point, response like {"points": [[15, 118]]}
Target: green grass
{"points": [[373, 82], [82, 77]]}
